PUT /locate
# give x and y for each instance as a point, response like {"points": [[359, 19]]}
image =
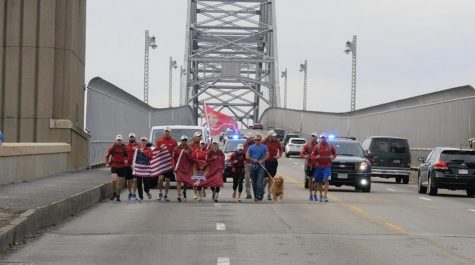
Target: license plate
{"points": [[396, 161], [342, 176], [463, 171]]}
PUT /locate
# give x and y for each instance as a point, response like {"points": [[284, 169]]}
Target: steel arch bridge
{"points": [[231, 57]]}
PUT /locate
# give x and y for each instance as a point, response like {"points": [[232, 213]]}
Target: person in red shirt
{"points": [[323, 154], [165, 141], [238, 162], [247, 175], [275, 152], [146, 180], [183, 163], [199, 155], [116, 159], [130, 178], [196, 143], [215, 160], [309, 166]]}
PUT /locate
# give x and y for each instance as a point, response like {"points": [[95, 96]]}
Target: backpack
{"points": [[330, 147]]}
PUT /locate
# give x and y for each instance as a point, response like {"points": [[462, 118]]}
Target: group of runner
{"points": [[254, 162]]}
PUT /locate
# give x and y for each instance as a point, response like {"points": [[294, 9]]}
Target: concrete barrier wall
{"points": [[111, 111], [26, 161], [445, 118]]}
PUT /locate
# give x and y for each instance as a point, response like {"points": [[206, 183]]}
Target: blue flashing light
{"points": [[331, 136], [235, 136]]}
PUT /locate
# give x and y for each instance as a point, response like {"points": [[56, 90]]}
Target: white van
{"points": [[177, 131]]}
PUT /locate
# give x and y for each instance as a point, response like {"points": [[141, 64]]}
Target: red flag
{"points": [[217, 121]]}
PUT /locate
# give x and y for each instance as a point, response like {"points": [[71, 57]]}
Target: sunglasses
{"points": [[257, 140]]}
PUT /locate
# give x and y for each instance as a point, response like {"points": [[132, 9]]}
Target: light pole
{"points": [[351, 47], [182, 74], [303, 68], [284, 75], [172, 66], [149, 42]]}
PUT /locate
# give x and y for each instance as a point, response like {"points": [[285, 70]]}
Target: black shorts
{"points": [[120, 171], [271, 167], [129, 173], [168, 174], [309, 172]]}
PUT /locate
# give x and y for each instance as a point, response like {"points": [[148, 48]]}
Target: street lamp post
{"points": [[351, 47], [284, 75], [149, 42], [172, 65], [303, 68]]}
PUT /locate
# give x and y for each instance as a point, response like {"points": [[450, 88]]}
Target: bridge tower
{"points": [[231, 57]]}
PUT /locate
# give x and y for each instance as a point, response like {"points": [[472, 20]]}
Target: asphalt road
{"points": [[391, 225]]}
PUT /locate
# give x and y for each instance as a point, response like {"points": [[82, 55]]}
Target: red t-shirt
{"points": [[274, 148], [324, 150], [170, 143], [307, 151], [130, 148], [116, 157]]}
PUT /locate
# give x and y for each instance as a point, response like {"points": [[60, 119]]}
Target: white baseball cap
{"points": [[168, 129], [314, 134], [248, 135], [184, 137], [215, 141], [202, 142], [198, 133], [272, 133], [324, 135], [131, 135], [143, 138], [118, 137], [240, 147]]}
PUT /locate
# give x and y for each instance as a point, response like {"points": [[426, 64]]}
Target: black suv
{"points": [[350, 167], [447, 168], [390, 157]]}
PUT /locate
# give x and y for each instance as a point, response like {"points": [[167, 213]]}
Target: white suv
{"points": [[294, 146]]}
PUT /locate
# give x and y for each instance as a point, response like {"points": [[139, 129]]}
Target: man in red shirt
{"points": [[165, 141], [247, 174], [309, 166], [116, 159], [323, 154], [182, 163], [130, 178], [195, 144], [275, 152]]}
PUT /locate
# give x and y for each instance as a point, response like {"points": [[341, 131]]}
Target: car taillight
{"points": [[441, 165]]}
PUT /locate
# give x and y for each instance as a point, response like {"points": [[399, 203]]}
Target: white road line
{"points": [[217, 205], [472, 210], [390, 189], [220, 227], [424, 198], [223, 261], [296, 163]]}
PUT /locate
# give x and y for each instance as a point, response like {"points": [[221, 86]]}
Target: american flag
{"points": [[141, 165], [161, 161]]}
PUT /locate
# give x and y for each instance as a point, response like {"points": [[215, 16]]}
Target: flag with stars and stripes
{"points": [[161, 161], [141, 165]]}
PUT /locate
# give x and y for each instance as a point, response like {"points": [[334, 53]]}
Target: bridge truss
{"points": [[231, 57]]}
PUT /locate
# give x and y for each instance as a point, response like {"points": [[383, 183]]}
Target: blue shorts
{"points": [[321, 174]]}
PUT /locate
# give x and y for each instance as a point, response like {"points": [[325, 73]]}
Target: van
{"points": [[177, 131], [390, 157]]}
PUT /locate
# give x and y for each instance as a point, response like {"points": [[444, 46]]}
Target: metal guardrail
{"points": [[96, 152]]}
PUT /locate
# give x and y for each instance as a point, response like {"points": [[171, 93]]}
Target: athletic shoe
{"points": [[134, 197], [130, 197], [178, 198], [117, 197], [113, 196], [149, 195], [166, 198], [269, 198], [315, 197], [195, 196], [248, 197], [325, 198], [310, 198], [160, 195], [321, 198]]}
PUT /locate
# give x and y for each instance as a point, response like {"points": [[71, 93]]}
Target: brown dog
{"points": [[277, 188]]}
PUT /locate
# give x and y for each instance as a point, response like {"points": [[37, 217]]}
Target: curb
{"points": [[29, 223]]}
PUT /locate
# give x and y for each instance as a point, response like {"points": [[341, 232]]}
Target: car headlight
{"points": [[363, 166]]}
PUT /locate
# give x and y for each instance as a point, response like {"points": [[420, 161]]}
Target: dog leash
{"points": [[271, 180]]}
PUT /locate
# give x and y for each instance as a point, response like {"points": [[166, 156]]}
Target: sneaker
{"points": [[178, 198], [134, 197], [149, 196], [113, 196], [130, 197], [160, 196], [166, 198], [269, 198], [248, 197], [195, 196], [117, 197], [321, 198], [315, 197], [310, 198], [325, 198]]}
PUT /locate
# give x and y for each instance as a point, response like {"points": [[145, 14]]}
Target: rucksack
{"points": [[124, 151]]}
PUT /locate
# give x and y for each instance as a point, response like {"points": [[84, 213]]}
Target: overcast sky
{"points": [[405, 47]]}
